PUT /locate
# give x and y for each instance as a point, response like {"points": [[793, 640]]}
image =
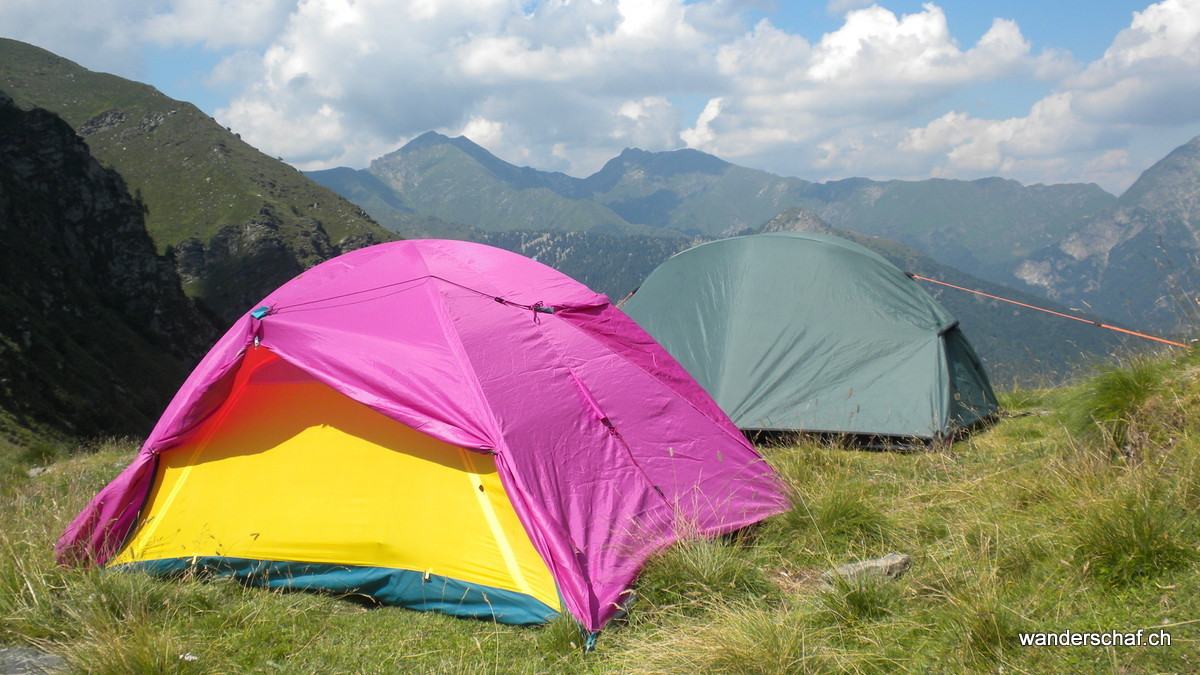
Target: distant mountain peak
{"points": [[798, 220], [666, 163], [1174, 176], [430, 146], [432, 139], [425, 140], [1136, 261]]}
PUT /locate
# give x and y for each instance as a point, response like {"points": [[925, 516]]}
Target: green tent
{"points": [[808, 332]]}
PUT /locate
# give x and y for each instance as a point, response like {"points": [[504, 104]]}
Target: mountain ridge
{"points": [[211, 198], [935, 215], [1137, 261], [1054, 241], [690, 193]]}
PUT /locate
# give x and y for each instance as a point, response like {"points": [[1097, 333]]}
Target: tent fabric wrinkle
{"points": [[604, 449]]}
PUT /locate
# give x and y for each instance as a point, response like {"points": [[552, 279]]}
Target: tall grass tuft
{"points": [[1105, 407], [1021, 399], [1136, 536], [866, 597], [563, 636], [694, 573], [966, 598], [989, 629], [140, 649], [739, 639], [827, 521]]}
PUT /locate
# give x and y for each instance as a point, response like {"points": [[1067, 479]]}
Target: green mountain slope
{"points": [[989, 225], [607, 263], [245, 222], [457, 181]]}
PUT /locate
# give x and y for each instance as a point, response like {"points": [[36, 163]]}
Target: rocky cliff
{"points": [[1137, 261], [240, 222], [96, 333]]}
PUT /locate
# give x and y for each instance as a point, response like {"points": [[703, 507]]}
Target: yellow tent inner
{"points": [[288, 469]]}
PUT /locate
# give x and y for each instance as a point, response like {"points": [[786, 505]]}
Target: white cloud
{"points": [[369, 70], [109, 35], [557, 73], [1109, 161], [870, 74], [324, 129], [566, 84], [899, 66], [989, 147], [702, 134], [1146, 78], [1053, 65], [874, 48], [237, 68], [651, 122], [485, 132], [1149, 74]]}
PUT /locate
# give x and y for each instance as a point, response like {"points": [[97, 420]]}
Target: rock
{"points": [[23, 660], [890, 566]]}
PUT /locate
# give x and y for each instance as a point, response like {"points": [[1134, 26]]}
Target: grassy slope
{"points": [[1079, 511]]}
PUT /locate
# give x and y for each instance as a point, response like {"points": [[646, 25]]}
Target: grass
{"points": [[1055, 519]]}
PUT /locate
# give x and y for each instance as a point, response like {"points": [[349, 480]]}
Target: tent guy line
{"points": [[265, 310], [1050, 311]]}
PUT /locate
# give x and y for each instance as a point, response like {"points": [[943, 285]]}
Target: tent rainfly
{"points": [[793, 331], [439, 425]]}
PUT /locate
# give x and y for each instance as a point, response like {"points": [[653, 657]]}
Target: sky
{"points": [[1039, 91]]}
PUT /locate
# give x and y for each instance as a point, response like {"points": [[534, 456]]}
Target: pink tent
{"points": [[606, 448]]}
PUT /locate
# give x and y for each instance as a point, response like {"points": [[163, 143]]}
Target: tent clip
{"points": [[539, 307], [612, 429]]}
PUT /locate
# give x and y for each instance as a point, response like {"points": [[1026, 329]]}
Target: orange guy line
{"points": [[1050, 311]]}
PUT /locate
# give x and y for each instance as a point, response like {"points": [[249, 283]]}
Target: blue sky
{"points": [[1050, 91]]}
